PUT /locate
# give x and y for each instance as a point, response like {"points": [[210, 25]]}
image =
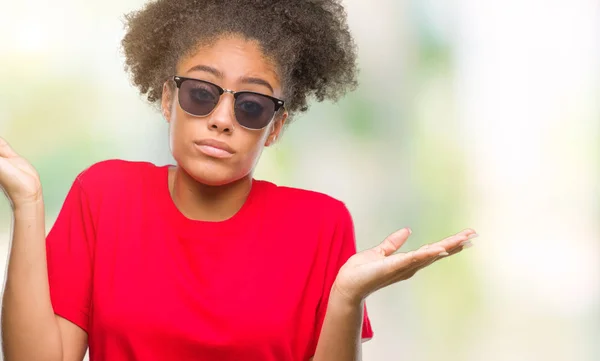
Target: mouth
{"points": [[214, 148]]}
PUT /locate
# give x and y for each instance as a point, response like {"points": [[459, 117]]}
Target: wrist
{"points": [[340, 297], [29, 209]]}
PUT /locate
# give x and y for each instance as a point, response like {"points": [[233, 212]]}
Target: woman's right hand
{"points": [[18, 179]]}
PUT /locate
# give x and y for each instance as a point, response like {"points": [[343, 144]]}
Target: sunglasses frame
{"points": [[180, 79]]}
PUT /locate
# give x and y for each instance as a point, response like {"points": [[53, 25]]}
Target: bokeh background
{"points": [[470, 113]]}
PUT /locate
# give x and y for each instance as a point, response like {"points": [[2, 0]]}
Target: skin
{"points": [[203, 188], [30, 329], [367, 272]]}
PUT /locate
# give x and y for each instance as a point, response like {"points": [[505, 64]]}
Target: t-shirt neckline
{"points": [[191, 228]]}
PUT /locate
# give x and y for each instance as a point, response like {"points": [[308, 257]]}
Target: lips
{"points": [[214, 148]]}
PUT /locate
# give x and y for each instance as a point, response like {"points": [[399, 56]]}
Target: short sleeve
{"points": [[343, 246], [69, 249]]}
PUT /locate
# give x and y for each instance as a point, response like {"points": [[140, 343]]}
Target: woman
{"points": [[199, 261]]}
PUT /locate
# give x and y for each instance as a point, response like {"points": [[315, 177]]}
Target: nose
{"points": [[222, 118]]}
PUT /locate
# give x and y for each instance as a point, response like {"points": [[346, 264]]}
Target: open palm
{"points": [[378, 267]]}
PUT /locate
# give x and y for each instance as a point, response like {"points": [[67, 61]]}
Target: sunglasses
{"points": [[252, 110]]}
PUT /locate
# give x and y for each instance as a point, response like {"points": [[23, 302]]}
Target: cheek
{"points": [[178, 134], [252, 148]]}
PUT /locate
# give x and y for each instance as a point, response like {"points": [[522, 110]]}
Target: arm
{"points": [[340, 337], [30, 329], [365, 273]]}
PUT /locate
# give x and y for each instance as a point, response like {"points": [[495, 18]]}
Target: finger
{"points": [[462, 245], [443, 254], [420, 265], [451, 252], [432, 255], [412, 270], [7, 170], [393, 242], [417, 267], [457, 239], [402, 261], [5, 150]]}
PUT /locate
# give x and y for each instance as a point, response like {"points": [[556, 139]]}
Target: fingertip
{"points": [[5, 149], [402, 233], [466, 244], [469, 231], [473, 235]]}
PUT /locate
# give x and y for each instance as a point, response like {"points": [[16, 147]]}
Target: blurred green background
{"points": [[469, 114]]}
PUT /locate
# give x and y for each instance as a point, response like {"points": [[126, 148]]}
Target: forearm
{"points": [[340, 338], [29, 327]]}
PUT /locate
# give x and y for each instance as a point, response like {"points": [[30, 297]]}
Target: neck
{"points": [[202, 202]]}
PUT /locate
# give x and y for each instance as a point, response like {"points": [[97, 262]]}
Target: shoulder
{"points": [[113, 173], [305, 203]]}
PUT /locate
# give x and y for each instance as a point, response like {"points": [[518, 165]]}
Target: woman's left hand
{"points": [[378, 267]]}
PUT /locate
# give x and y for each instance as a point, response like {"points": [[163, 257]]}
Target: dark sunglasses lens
{"points": [[254, 111], [197, 97]]}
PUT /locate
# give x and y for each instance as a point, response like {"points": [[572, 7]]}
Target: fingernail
{"points": [[466, 244], [442, 254], [474, 235], [409, 230]]}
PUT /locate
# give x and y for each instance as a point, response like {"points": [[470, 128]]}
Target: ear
{"points": [[167, 101], [277, 128]]}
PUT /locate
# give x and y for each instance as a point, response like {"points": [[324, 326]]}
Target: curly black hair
{"points": [[308, 40]]}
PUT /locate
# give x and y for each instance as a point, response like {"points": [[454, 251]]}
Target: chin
{"points": [[212, 173]]}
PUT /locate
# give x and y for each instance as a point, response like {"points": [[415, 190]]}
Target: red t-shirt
{"points": [[147, 283]]}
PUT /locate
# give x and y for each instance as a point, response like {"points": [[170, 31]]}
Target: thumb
{"points": [[5, 150], [8, 172], [393, 242]]}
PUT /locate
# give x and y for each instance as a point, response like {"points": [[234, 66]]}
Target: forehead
{"points": [[234, 56]]}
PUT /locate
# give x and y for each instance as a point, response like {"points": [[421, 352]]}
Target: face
{"points": [[216, 149]]}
